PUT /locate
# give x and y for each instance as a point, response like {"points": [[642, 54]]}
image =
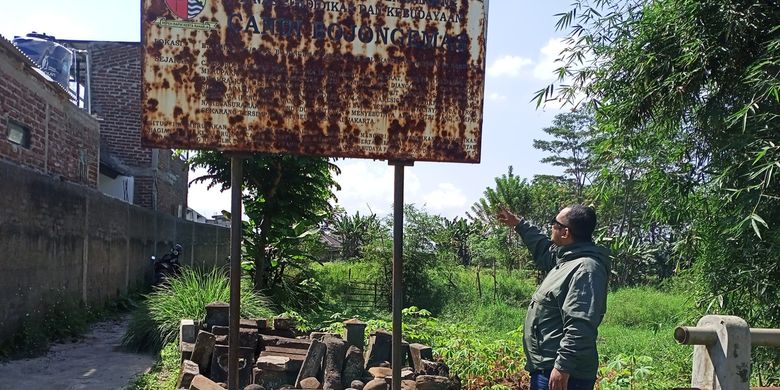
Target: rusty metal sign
{"points": [[381, 79]]}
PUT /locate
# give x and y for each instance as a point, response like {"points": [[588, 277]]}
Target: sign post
{"points": [[396, 80], [398, 257], [236, 180]]}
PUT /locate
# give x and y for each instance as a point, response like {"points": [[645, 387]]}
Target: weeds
{"points": [[156, 322]]}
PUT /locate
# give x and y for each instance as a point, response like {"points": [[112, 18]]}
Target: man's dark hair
{"points": [[581, 222]]}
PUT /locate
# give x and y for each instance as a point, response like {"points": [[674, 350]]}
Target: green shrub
{"points": [[156, 322]]}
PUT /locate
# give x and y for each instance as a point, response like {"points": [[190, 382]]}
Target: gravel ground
{"points": [[95, 362]]}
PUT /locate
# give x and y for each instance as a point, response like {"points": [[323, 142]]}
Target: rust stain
{"points": [[399, 80]]}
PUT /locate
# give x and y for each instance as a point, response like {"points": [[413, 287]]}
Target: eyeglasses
{"points": [[554, 222]]}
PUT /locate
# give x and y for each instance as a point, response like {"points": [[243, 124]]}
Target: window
{"points": [[18, 134]]}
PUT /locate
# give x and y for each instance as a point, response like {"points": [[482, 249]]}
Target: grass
{"points": [[481, 338], [164, 374], [156, 322]]}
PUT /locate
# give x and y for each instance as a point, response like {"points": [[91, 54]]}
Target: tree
{"points": [[354, 231], [511, 191], [280, 192], [686, 93], [570, 146]]}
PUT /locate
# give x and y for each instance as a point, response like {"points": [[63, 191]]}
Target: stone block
{"points": [[220, 330], [379, 348], [310, 383], [312, 363], [356, 335], [353, 366], [217, 314], [283, 323], [285, 342], [380, 372], [432, 382], [187, 331], [189, 370], [219, 365], [377, 384], [357, 385], [185, 349], [273, 363], [320, 335], [419, 352], [335, 353], [203, 350], [200, 382], [270, 379]]}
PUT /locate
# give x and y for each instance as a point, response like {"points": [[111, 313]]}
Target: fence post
{"points": [[721, 358]]}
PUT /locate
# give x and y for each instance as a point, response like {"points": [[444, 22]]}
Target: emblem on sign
{"points": [[186, 9]]}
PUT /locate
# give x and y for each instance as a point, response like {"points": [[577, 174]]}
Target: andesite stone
{"points": [[432, 382], [187, 331], [379, 348], [273, 363], [204, 348], [217, 314], [219, 365], [381, 372], [335, 353], [377, 384], [353, 366], [312, 364], [310, 383], [201, 382], [357, 385], [189, 370], [408, 384], [355, 333]]}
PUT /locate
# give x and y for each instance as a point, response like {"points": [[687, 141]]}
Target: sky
{"points": [[521, 49]]}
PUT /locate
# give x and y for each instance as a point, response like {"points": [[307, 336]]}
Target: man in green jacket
{"points": [[561, 326]]}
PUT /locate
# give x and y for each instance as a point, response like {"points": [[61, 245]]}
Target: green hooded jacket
{"points": [[561, 326]]}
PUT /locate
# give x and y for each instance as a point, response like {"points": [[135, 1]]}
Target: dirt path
{"points": [[94, 363]]}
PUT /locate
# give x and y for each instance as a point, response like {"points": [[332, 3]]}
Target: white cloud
{"points": [[446, 197], [207, 202], [496, 97], [367, 186], [508, 66], [545, 67]]}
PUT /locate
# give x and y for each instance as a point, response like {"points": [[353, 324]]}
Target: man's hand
{"points": [[559, 380], [507, 218]]}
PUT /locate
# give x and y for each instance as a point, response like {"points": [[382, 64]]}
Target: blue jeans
{"points": [[540, 379]]}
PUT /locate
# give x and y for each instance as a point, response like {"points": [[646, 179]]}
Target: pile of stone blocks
{"points": [[274, 356]]}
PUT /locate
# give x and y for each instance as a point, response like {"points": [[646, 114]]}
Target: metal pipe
{"points": [[765, 337], [398, 246], [694, 335], [236, 179], [88, 89]]}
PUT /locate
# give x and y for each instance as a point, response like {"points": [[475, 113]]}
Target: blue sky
{"points": [[522, 44]]}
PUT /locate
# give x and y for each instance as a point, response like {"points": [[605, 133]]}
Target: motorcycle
{"points": [[166, 266]]}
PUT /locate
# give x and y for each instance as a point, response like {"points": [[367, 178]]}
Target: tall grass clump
{"points": [[636, 340], [156, 322]]}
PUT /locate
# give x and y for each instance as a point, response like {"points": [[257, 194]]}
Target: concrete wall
{"points": [[64, 241]]}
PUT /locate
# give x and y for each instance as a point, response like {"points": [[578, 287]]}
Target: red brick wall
{"points": [[116, 99], [64, 140]]}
